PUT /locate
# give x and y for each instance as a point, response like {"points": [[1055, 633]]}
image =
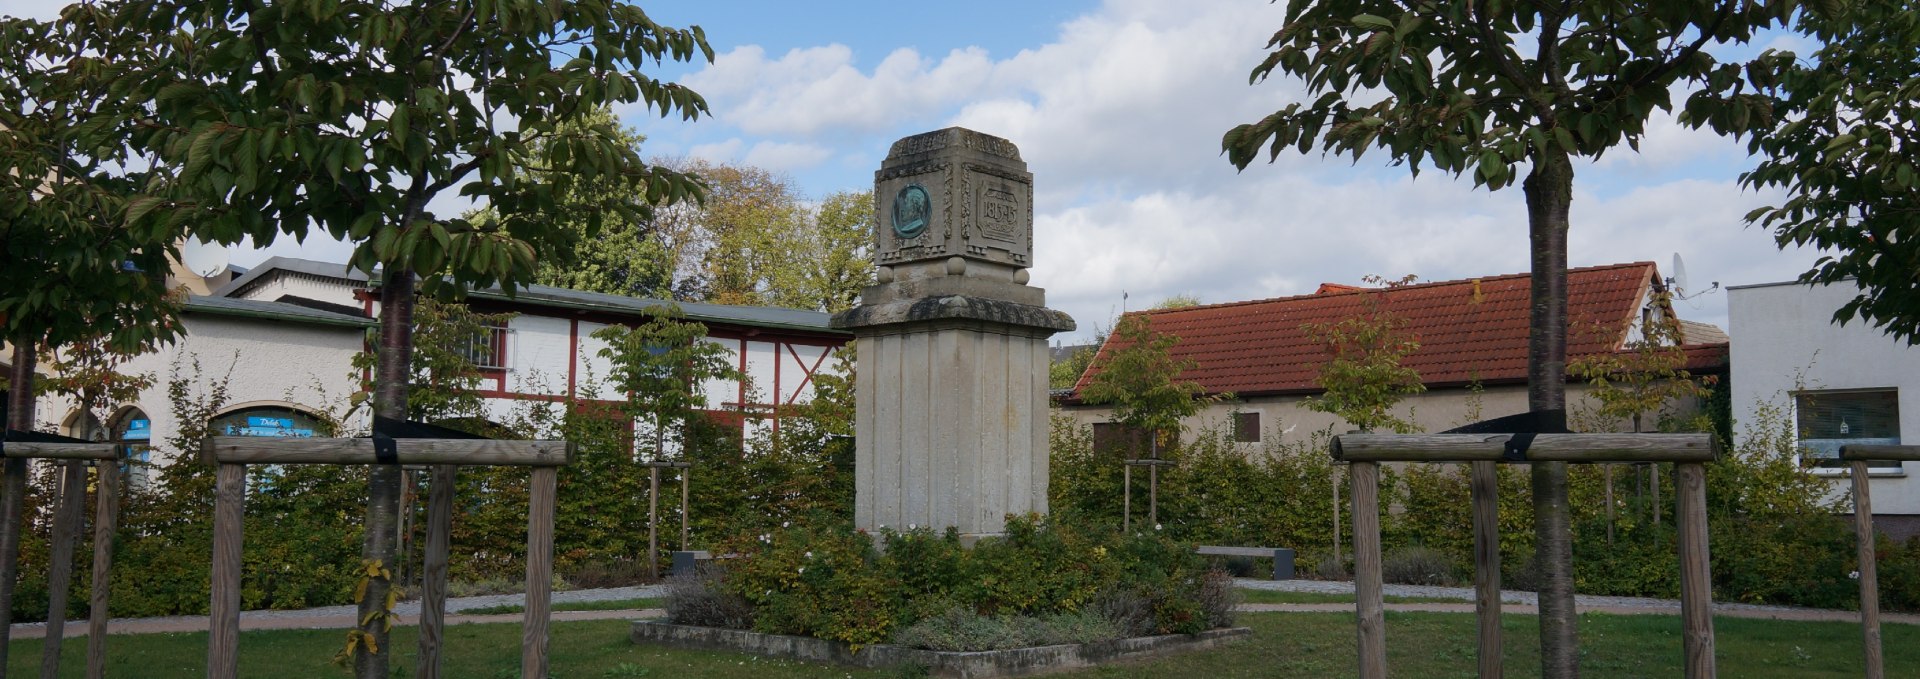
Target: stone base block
{"points": [[951, 427]]}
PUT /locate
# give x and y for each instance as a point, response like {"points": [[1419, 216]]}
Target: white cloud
{"points": [[1120, 118], [721, 152], [778, 156], [808, 90], [786, 157]]}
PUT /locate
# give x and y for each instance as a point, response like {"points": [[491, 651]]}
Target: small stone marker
{"points": [[951, 392]]}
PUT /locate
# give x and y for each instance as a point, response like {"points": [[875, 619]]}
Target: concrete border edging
{"points": [[1016, 662]]}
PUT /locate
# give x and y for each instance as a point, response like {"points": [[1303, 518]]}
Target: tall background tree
{"points": [[834, 263], [627, 256], [1846, 151], [755, 240], [350, 117], [1507, 91]]}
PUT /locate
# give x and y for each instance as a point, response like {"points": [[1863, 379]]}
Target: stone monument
{"points": [[951, 392]]}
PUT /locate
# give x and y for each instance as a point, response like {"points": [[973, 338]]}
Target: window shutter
{"points": [[1246, 427], [1107, 439]]}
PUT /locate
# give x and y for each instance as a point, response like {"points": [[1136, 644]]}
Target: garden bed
{"points": [[1015, 662]]}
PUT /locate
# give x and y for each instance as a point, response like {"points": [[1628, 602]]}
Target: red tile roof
{"points": [[1469, 330]]}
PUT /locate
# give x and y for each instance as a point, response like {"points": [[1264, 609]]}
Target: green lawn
{"points": [[1267, 596], [1433, 645], [610, 605]]}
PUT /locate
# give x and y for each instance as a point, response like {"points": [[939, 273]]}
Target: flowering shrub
{"points": [[827, 580]]}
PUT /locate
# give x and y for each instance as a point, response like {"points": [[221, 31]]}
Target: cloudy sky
{"points": [[1118, 108]]}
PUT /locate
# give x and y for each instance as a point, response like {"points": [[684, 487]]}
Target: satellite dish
{"points": [[1678, 283], [204, 259]]}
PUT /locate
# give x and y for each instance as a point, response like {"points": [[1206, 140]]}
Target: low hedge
{"points": [[825, 579]]}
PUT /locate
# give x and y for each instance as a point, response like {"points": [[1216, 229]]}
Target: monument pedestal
{"points": [[951, 346]]}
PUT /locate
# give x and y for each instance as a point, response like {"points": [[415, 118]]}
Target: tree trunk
{"points": [[13, 489], [390, 386], [1549, 191]]}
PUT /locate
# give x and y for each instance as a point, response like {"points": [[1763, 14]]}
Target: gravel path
{"points": [[1526, 602], [341, 617]]}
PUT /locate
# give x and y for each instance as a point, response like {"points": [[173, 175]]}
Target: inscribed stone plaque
{"points": [[953, 192]]}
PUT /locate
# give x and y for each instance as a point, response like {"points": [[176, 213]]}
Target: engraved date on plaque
{"points": [[1000, 212]]}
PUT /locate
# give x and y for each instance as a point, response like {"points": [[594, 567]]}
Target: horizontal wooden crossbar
{"points": [[1211, 550], [1543, 448], [1149, 462], [1867, 453], [62, 451], [269, 450]]}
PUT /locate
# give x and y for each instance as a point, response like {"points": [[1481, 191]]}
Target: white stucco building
{"points": [[1838, 384], [283, 336], [283, 366]]}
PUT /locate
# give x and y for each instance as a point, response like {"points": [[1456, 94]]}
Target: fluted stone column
{"points": [[951, 393]]}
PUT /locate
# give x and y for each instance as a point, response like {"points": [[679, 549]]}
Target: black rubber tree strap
{"points": [[1523, 427]]}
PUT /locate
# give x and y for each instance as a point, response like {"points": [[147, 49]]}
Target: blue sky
{"points": [[1118, 107]]}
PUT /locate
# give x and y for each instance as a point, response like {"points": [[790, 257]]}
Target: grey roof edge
{"points": [[293, 264], [1804, 284], [762, 317], [277, 311], [755, 316]]}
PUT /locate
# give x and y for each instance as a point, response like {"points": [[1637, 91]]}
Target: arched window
{"points": [[83, 425], [134, 433], [267, 421]]}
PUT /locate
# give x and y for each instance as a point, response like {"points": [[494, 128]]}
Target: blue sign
{"points": [[235, 430], [270, 422], [139, 430]]}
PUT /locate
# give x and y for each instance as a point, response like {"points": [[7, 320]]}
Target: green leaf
{"points": [[1565, 138], [1374, 22]]}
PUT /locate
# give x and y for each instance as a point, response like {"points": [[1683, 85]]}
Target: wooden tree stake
{"points": [[433, 573], [1869, 571], [13, 491], [686, 518], [229, 511], [653, 523], [1696, 575], [106, 521], [1486, 566], [1366, 570], [540, 504], [67, 516]]}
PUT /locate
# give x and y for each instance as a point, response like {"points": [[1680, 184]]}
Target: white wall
{"points": [[266, 362], [1431, 411], [1784, 339], [537, 351], [308, 367]]}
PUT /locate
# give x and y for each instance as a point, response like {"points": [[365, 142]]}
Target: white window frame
{"points": [[501, 334], [1841, 472]]}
